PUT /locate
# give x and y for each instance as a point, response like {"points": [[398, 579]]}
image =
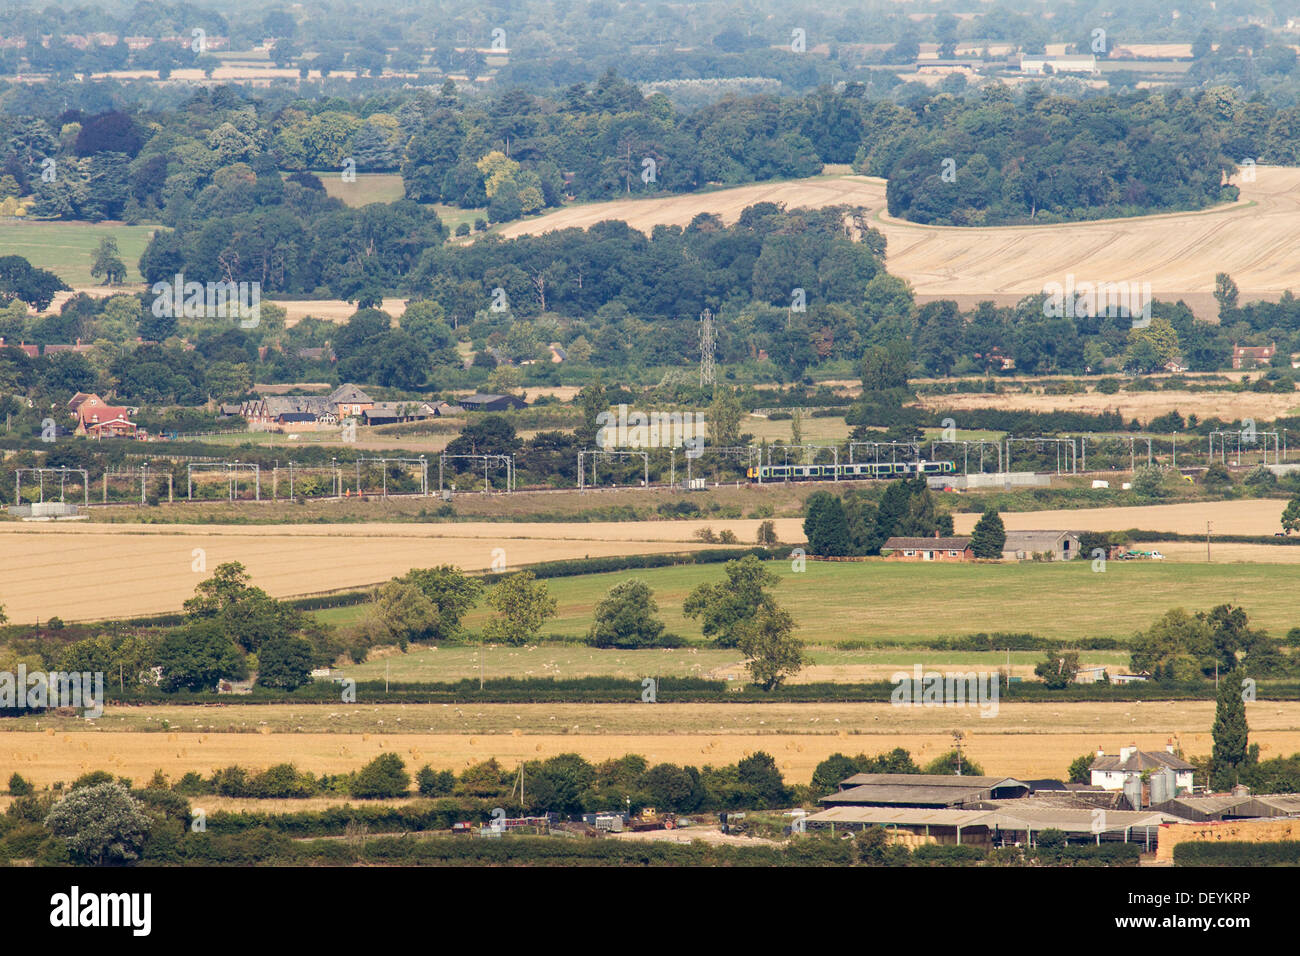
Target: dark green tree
{"points": [[197, 656], [435, 783], [452, 592], [724, 607], [948, 763], [627, 617], [1230, 753], [1081, 769], [284, 662], [989, 536], [384, 777], [1058, 670], [826, 525], [760, 775]]}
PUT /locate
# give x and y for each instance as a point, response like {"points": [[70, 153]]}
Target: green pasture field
{"points": [[385, 188], [917, 602], [815, 430], [67, 248]]}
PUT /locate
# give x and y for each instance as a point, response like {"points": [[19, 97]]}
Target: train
{"points": [[850, 472]]}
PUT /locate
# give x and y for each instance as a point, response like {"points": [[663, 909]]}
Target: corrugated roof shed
{"points": [[929, 780], [1140, 760], [923, 790], [900, 816], [1080, 821]]}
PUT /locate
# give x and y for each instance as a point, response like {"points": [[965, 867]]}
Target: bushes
{"points": [[383, 777], [1283, 853], [431, 783], [948, 854]]}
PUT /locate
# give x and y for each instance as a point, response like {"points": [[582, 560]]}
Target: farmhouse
{"points": [[1114, 772], [289, 409], [1054, 545], [1252, 356], [350, 400], [97, 419], [491, 403], [346, 401], [928, 549]]}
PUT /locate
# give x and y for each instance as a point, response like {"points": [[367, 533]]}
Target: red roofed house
{"points": [[75, 401], [78, 347], [1249, 356], [32, 351], [99, 420], [928, 549]]}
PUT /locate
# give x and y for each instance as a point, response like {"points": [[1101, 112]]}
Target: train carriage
{"points": [[856, 471]]}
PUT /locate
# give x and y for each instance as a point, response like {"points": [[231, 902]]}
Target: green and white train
{"points": [[851, 472]]}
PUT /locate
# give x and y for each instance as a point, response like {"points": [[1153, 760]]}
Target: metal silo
{"points": [[1163, 785], [1133, 791]]}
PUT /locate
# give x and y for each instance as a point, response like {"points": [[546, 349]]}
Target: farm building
{"points": [[922, 790], [391, 413], [1054, 545], [279, 409], [915, 826], [346, 401], [350, 400], [1114, 772], [928, 549], [1232, 806], [491, 403]]}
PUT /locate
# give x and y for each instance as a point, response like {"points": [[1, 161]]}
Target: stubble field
{"points": [[1255, 240], [154, 568], [1023, 740]]}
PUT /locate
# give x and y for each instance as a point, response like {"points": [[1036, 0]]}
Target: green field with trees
{"points": [[881, 600], [68, 248]]}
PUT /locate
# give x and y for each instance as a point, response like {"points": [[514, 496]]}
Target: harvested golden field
{"points": [[153, 565], [1256, 240], [1025, 740], [151, 568], [332, 310], [1258, 516], [1143, 406], [645, 214], [1225, 552]]}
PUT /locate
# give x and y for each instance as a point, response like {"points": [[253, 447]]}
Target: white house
{"points": [[1110, 773]]}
